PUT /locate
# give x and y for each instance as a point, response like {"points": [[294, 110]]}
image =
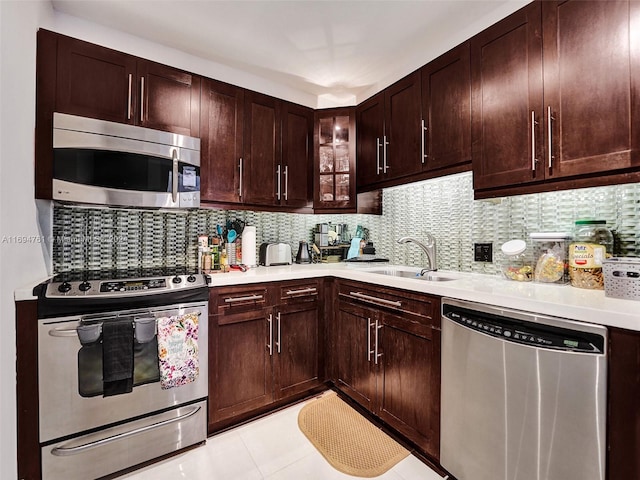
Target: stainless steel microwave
{"points": [[107, 163]]}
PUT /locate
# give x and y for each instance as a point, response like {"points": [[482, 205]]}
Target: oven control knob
{"points": [[84, 286], [191, 278], [64, 287], [176, 279]]}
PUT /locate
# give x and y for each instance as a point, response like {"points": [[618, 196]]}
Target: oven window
{"points": [[145, 367]]}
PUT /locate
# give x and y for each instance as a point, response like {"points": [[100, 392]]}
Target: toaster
{"points": [[275, 254]]}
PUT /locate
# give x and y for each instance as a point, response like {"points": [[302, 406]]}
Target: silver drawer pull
{"points": [[243, 299], [66, 451], [369, 298], [311, 290]]}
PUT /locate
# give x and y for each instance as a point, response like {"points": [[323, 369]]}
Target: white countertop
{"points": [[558, 300]]}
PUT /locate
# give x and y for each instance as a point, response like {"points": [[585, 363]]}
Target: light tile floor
{"points": [[270, 448]]}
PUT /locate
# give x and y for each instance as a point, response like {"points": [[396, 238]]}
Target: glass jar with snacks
{"points": [[592, 244], [516, 263], [550, 254]]}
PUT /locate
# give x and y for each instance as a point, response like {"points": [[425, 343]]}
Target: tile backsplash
{"points": [[109, 238]]}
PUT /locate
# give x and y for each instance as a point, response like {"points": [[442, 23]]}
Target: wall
{"points": [[444, 207]]}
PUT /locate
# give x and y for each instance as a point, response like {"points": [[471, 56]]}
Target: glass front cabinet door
{"points": [[334, 162]]}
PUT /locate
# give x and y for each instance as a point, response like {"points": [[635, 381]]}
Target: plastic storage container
{"points": [[550, 256], [592, 244], [516, 263]]}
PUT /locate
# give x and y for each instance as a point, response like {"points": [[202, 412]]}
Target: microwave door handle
{"points": [[174, 192]]}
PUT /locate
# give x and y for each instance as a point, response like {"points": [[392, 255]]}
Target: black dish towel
{"points": [[117, 357]]}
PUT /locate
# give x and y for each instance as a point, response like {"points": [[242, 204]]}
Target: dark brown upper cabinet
{"points": [[276, 170], [334, 160], [553, 97], [262, 149], [446, 112], [389, 131], [221, 128], [94, 81], [296, 174]]}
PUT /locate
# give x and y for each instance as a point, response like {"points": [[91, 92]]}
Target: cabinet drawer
{"points": [[414, 307], [236, 300], [298, 291]]}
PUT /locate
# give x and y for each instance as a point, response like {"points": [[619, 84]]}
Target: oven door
{"points": [[70, 375]]}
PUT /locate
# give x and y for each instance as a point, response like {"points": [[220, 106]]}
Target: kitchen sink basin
{"points": [[413, 273]]}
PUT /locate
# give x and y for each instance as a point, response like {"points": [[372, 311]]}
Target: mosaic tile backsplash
{"points": [[99, 238]]}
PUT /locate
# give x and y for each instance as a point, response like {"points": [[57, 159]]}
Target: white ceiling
{"points": [[341, 50]]}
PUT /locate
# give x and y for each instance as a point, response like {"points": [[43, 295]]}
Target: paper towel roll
{"points": [[249, 246]]}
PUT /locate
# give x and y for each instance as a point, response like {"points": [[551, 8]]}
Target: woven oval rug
{"points": [[346, 439]]}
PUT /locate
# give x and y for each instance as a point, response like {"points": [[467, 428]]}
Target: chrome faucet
{"points": [[429, 249]]}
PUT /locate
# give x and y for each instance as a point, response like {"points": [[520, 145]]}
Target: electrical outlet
{"points": [[483, 252]]}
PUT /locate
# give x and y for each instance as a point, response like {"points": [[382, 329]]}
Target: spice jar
{"points": [[593, 242], [516, 264]]}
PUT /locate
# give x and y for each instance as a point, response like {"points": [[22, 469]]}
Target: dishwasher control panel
{"points": [[524, 332]]}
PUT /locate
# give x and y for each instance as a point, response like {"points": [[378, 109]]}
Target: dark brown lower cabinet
{"points": [[623, 419], [387, 358], [262, 349]]}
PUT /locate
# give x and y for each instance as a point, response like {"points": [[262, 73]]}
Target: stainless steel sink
{"points": [[413, 273]]}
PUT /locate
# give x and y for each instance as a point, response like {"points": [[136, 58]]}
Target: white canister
{"points": [[249, 246]]}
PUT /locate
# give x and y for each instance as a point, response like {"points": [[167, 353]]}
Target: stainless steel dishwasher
{"points": [[523, 395]]}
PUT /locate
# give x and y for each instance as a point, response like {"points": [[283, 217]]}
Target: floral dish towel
{"points": [[178, 350]]}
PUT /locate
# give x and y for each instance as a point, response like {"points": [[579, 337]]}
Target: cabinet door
{"points": [[370, 132], [169, 99], [354, 361], [409, 394], [262, 145], [590, 114], [506, 73], [334, 159], [446, 110], [240, 357], [221, 141], [296, 335], [623, 421], [297, 164], [403, 128], [94, 81]]}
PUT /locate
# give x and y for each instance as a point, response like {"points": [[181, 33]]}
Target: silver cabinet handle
{"points": [[240, 183], [369, 298], [66, 451], [369, 350], [378, 167], [384, 154], [278, 342], [141, 99], [376, 354], [129, 98], [279, 187], [286, 182], [270, 344], [550, 119], [533, 141], [311, 290], [243, 299], [174, 190], [423, 129]]}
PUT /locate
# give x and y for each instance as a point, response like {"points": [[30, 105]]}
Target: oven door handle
{"points": [[63, 332], [66, 451]]}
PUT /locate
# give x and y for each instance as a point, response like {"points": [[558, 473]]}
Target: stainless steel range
{"points": [[122, 369]]}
